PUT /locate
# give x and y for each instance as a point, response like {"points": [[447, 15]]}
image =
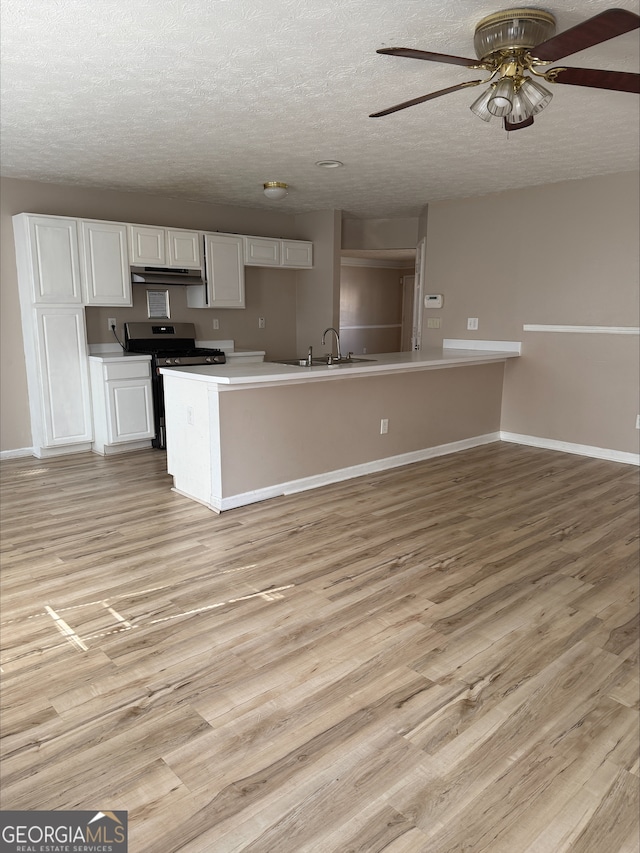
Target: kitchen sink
{"points": [[322, 362]]}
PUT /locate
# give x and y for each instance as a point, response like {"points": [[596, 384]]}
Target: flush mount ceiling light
{"points": [[516, 43], [275, 190], [329, 164]]}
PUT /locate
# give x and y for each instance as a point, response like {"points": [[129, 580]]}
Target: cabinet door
{"points": [[184, 248], [55, 260], [297, 253], [148, 246], [261, 252], [224, 264], [64, 376], [130, 410], [105, 253]]}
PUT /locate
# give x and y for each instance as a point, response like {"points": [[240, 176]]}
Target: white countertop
{"points": [[264, 373], [118, 356]]}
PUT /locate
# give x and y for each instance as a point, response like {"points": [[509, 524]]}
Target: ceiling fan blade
{"points": [[618, 81], [602, 27], [526, 123], [432, 57], [424, 98]]}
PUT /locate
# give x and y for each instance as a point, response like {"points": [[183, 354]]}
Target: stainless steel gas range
{"points": [[168, 344]]}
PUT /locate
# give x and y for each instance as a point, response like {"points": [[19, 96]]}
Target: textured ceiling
{"points": [[207, 99]]}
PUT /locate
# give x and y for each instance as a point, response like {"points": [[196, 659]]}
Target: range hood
{"points": [[163, 276]]}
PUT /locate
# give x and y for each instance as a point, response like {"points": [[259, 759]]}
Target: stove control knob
{"points": [[167, 361], [209, 359], [176, 361]]}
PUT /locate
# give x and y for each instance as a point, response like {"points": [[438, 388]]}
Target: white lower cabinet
{"points": [[122, 403], [58, 380]]}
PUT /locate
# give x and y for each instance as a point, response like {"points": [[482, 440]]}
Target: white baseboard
{"points": [[15, 454], [569, 447], [318, 480]]}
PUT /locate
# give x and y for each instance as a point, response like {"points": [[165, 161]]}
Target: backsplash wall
{"points": [[270, 294]]}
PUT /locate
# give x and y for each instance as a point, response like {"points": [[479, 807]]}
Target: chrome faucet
{"points": [[324, 334]]}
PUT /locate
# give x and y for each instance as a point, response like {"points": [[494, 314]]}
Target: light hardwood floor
{"points": [[443, 657]]}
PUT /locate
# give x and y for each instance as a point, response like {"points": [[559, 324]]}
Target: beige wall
{"points": [[318, 289], [270, 294], [370, 296], [558, 254], [568, 255], [380, 233], [425, 409]]}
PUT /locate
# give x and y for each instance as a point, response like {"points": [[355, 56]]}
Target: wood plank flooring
{"points": [[435, 659]]}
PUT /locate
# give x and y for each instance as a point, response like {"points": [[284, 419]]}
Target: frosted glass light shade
{"points": [[522, 108], [275, 190], [479, 106], [537, 95], [501, 101]]}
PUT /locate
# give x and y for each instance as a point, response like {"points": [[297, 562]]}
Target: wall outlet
{"points": [[261, 322], [472, 323], [433, 322], [216, 323], [637, 421], [384, 426], [111, 323]]}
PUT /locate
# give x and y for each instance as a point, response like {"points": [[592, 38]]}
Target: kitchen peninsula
{"points": [[237, 434]]}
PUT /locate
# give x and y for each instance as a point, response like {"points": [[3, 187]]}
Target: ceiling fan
{"points": [[515, 46]]}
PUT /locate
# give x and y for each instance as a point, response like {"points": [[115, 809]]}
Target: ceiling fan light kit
{"points": [[481, 106], [511, 30], [517, 45]]}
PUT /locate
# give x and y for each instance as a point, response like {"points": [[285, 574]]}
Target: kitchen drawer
{"points": [[126, 369]]}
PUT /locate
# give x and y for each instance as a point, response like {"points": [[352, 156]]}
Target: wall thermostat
{"points": [[433, 300]]}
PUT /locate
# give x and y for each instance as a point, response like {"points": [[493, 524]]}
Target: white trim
{"points": [[294, 486], [374, 326], [584, 330], [15, 454], [570, 447], [495, 346], [406, 264]]}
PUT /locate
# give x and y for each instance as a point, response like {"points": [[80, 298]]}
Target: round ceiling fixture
{"points": [[512, 30], [329, 164], [276, 190]]}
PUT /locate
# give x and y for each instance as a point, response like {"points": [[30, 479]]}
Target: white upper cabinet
{"points": [[164, 247], [272, 252], [148, 246], [105, 268], [261, 252], [52, 253], [183, 248], [224, 263], [297, 253], [224, 273]]}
